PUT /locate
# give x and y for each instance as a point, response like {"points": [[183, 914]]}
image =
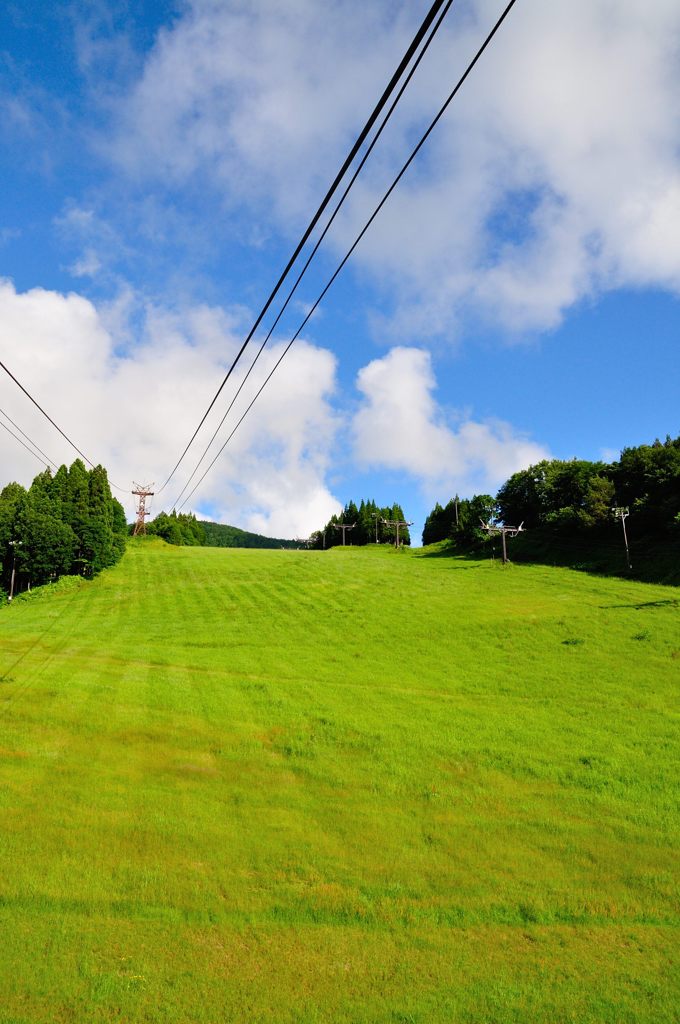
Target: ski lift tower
{"points": [[505, 531], [622, 514]]}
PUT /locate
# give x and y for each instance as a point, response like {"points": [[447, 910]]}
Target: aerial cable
{"points": [[405, 61], [56, 427], [325, 231], [4, 425], [361, 234], [32, 399], [24, 434]]}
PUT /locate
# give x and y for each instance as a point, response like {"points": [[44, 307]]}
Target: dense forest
{"points": [[64, 524], [368, 523], [219, 535], [566, 507], [185, 529], [460, 520], [182, 529], [580, 494]]}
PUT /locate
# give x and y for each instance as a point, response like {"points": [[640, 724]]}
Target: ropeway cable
{"points": [[55, 425], [311, 256], [38, 457], [405, 61], [44, 459], [361, 234]]}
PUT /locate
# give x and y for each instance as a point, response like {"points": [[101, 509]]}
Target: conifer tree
{"points": [[37, 534], [436, 526], [77, 510], [97, 537], [42, 498], [365, 517], [60, 493], [120, 528]]}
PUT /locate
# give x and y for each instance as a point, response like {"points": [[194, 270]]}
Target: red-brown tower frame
{"points": [[143, 491]]}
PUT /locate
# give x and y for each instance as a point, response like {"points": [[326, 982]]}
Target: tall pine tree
{"points": [[97, 538]]}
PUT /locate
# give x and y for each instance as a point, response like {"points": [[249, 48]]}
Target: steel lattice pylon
{"points": [[143, 491]]}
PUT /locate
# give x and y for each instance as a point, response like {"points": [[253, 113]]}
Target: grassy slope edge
{"points": [[348, 786]]}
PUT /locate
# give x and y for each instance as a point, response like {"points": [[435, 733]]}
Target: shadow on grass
{"points": [[671, 602], [654, 560], [448, 551]]}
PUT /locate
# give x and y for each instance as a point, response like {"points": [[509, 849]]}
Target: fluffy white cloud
{"points": [[399, 426], [257, 96], [78, 364], [85, 364], [556, 173]]}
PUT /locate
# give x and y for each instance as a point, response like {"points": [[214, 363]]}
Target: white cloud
{"points": [[97, 241], [555, 174], [8, 235], [88, 265], [79, 364], [399, 426], [134, 407], [256, 97]]}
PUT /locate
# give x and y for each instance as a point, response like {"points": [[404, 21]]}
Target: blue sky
{"points": [[517, 297]]}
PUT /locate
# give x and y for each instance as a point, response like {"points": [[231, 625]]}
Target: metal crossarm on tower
{"points": [[344, 527], [397, 523], [505, 531], [142, 491]]}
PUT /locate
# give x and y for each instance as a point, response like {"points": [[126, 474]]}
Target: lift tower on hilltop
{"points": [[142, 491]]}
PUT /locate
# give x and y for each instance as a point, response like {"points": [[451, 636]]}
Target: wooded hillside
{"points": [[567, 510], [184, 529]]}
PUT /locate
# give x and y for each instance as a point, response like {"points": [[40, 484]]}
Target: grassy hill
{"points": [[357, 786]]}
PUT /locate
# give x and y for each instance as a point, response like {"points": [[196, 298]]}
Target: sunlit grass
{"points": [[345, 786]]}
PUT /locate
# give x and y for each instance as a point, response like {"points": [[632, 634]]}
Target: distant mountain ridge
{"points": [[220, 535]]}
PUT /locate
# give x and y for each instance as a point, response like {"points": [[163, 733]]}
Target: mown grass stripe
{"points": [[249, 785]]}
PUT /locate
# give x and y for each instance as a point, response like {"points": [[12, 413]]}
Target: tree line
{"points": [[220, 535], [68, 523], [184, 529], [181, 528], [370, 523], [574, 495], [459, 520]]}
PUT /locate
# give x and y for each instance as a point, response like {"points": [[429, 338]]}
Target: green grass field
{"points": [[357, 786]]}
